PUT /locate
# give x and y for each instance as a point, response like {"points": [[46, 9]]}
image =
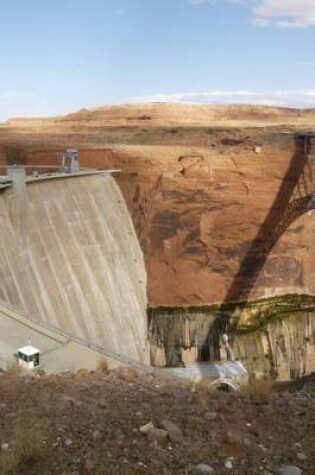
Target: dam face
{"points": [[70, 258]]}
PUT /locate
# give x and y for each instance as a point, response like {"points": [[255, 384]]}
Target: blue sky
{"points": [[61, 55]]}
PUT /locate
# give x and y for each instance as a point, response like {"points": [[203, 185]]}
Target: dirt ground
{"points": [[88, 423]]}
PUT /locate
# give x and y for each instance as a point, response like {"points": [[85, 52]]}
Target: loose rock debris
{"points": [[128, 422]]}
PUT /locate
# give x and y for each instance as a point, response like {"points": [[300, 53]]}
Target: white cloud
{"points": [[282, 13], [304, 98], [285, 13]]}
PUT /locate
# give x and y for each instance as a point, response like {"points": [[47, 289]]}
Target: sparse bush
{"points": [[40, 371], [25, 448], [8, 463], [102, 365], [13, 368], [258, 388], [27, 439], [201, 389], [83, 371], [140, 117]]}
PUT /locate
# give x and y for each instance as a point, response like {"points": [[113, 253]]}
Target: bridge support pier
{"points": [[309, 152]]}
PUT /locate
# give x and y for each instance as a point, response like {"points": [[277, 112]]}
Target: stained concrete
{"points": [[78, 265]]}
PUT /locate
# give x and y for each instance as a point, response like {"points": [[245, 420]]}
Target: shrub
{"points": [[258, 388], [102, 365], [25, 448], [14, 368], [27, 439]]}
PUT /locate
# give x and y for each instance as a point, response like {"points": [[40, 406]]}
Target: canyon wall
{"points": [[219, 201], [223, 219], [284, 349], [273, 337], [213, 215]]}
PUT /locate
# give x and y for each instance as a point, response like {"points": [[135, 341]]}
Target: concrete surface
{"points": [[79, 266], [227, 372], [57, 352]]}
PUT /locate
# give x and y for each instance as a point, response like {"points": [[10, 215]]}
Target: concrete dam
{"points": [[70, 258]]}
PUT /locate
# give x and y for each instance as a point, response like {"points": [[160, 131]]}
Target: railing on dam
{"points": [[54, 173]]}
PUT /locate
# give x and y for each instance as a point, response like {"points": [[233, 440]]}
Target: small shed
{"points": [[70, 161], [28, 357], [257, 148]]}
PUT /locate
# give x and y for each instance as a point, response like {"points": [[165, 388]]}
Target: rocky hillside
{"points": [[127, 422], [166, 114]]}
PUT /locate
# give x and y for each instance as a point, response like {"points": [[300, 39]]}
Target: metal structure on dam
{"points": [[70, 258]]}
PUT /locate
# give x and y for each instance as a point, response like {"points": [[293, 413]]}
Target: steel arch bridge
{"points": [[295, 197]]}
